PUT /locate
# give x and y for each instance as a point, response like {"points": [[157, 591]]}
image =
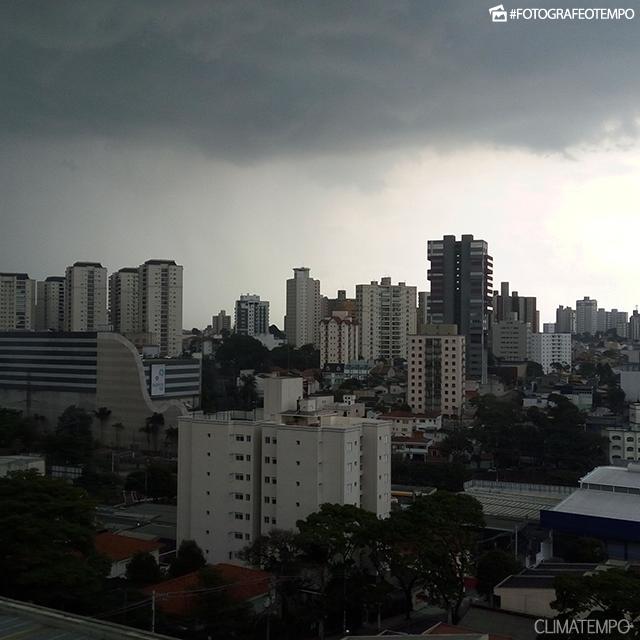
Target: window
{"points": [[237, 496], [248, 438], [247, 516], [239, 476], [208, 512], [267, 499], [274, 461], [274, 481], [248, 458], [247, 496], [209, 454], [267, 480], [239, 457], [238, 516], [247, 536], [239, 438], [267, 459], [298, 463], [297, 483], [297, 442], [237, 535], [266, 519]]}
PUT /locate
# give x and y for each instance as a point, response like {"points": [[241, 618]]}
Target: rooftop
{"points": [[30, 622], [117, 547], [614, 476], [601, 504]]}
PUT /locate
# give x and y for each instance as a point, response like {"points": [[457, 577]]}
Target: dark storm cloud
{"points": [[243, 80]]}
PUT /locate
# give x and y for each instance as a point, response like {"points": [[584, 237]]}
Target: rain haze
{"points": [[243, 139]]}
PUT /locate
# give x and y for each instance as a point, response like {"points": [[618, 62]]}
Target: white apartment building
{"points": [[303, 308], [548, 348], [436, 371], [387, 315], [86, 297], [586, 316], [510, 340], [50, 304], [565, 320], [17, 302], [339, 336], [124, 301], [549, 327], [624, 441], [239, 479], [251, 316], [161, 304]]}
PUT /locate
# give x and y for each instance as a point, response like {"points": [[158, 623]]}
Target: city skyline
{"points": [[345, 140]]}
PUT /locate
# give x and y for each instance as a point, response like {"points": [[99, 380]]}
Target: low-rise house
{"points": [[120, 549], [176, 597], [404, 423]]}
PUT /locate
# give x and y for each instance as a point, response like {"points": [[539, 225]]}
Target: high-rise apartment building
{"points": [[238, 480], [124, 301], [17, 302], [161, 304], [424, 310], [339, 303], [86, 297], [586, 316], [506, 304], [549, 327], [338, 339], [634, 326], [50, 304], [510, 339], [387, 315], [461, 280], [251, 316], [548, 349], [436, 371], [565, 320], [303, 308], [614, 319], [220, 322]]}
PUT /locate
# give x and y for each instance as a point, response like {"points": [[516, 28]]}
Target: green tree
{"points": [[493, 567], [104, 487], [17, 432], [143, 569], [239, 352], [47, 532], [457, 445], [152, 428], [614, 594], [157, 481], [118, 428], [72, 442], [248, 393], [189, 558], [102, 414], [448, 524]]}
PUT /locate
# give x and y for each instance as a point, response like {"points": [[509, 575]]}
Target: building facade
{"points": [[124, 301], [50, 304], [17, 302], [549, 348], [161, 304], [303, 308], [238, 480], [86, 297], [387, 315], [220, 322], [586, 316], [436, 371], [339, 337], [461, 277], [506, 305], [634, 326], [251, 316], [510, 340], [565, 320]]}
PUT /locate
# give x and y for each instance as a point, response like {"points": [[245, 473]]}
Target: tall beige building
{"points": [[161, 304], [303, 308], [436, 371], [387, 315], [17, 302], [124, 301], [510, 339], [86, 297], [338, 339], [238, 480], [50, 304]]}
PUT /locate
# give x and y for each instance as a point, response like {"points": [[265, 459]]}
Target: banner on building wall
{"points": [[157, 379]]}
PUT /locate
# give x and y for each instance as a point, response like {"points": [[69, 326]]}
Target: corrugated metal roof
{"points": [[602, 504], [614, 476]]}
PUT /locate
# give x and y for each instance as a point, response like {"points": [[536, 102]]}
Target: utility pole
{"points": [[153, 612]]}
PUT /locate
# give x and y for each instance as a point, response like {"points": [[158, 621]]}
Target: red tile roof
{"points": [[118, 547], [245, 584], [444, 629], [408, 414]]}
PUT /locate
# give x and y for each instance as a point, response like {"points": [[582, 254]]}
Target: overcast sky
{"points": [[243, 139]]}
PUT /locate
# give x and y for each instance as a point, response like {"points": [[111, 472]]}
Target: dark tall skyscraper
{"points": [[461, 277]]}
